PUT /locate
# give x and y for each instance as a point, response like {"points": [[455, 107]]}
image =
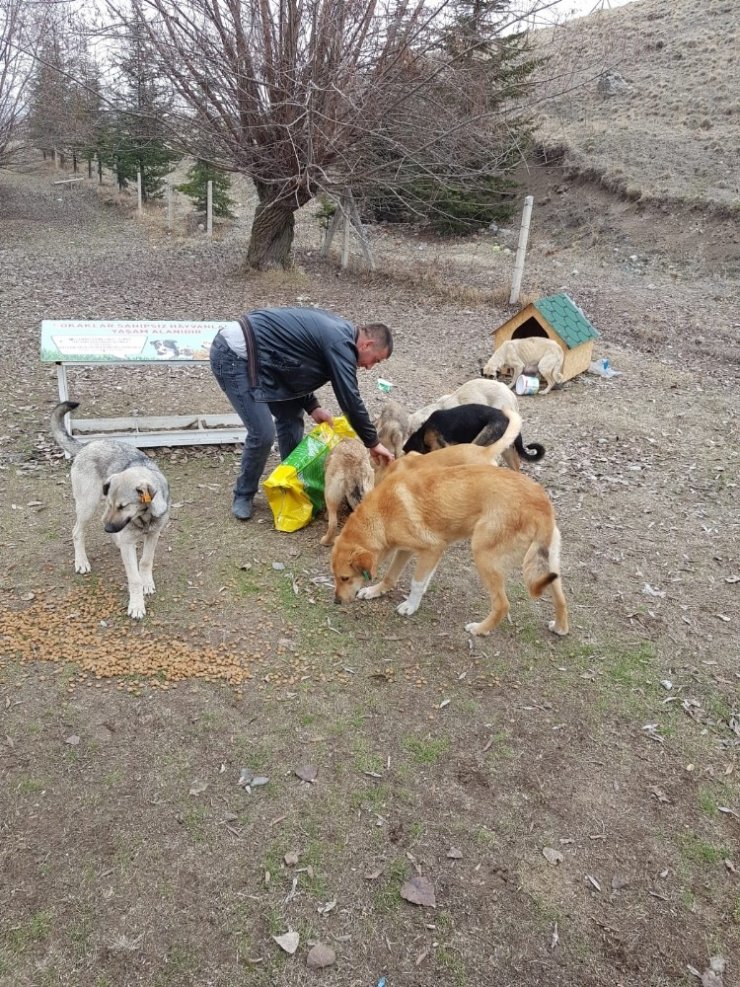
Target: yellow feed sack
{"points": [[295, 489]]}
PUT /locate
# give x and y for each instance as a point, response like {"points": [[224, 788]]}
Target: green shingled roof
{"points": [[566, 319]]}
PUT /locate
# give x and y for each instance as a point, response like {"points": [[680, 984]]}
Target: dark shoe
{"points": [[242, 508]]}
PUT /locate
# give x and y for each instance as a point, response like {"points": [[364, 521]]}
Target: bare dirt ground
{"points": [[130, 855]]}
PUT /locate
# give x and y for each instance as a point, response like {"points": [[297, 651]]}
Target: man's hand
{"points": [[381, 454], [320, 415]]}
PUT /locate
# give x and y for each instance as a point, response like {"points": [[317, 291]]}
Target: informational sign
{"points": [[84, 341]]}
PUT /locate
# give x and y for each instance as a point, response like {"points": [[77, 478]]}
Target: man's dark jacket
{"points": [[300, 350]]}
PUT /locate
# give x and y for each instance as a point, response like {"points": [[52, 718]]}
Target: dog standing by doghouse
{"points": [[137, 502], [543, 356], [420, 508]]}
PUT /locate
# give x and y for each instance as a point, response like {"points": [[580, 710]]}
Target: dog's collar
{"points": [[366, 575]]}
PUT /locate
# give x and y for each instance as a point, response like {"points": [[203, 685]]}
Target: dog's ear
{"points": [[152, 499], [363, 562], [433, 440], [145, 493]]}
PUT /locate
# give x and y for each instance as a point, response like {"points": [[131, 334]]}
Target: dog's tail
{"points": [[531, 453], [542, 563], [60, 434], [501, 444], [542, 569]]}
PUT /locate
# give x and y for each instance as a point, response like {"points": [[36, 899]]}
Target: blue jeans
{"points": [[230, 371]]}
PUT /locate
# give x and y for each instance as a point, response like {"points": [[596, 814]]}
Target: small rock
{"points": [[419, 891], [288, 942], [320, 956], [307, 772], [553, 857]]}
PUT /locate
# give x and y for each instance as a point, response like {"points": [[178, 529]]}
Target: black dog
{"points": [[476, 423]]}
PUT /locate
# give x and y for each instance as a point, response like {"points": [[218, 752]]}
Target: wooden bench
{"points": [[83, 343]]}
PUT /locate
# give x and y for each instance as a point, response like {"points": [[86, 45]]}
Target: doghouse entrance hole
{"points": [[529, 328]]}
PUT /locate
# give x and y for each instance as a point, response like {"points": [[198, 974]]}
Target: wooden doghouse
{"points": [[559, 318]]}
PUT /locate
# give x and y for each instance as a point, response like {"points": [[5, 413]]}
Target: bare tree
{"points": [[15, 69], [294, 92]]}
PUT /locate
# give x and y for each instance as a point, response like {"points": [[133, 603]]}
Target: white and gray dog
{"points": [[137, 502]]}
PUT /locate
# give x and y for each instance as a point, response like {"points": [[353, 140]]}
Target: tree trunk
{"points": [[272, 234]]}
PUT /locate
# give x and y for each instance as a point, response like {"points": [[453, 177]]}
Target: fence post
{"points": [[209, 209], [521, 250], [344, 205], [331, 229]]}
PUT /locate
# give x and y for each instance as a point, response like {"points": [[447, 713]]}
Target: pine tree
{"points": [[50, 99], [196, 188], [472, 184], [134, 140]]}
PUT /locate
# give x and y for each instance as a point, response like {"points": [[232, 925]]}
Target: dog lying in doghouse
{"points": [[532, 355], [477, 424]]}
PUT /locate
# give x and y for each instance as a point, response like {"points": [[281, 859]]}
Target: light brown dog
{"points": [[393, 427], [544, 356], [348, 476], [479, 390], [421, 507]]}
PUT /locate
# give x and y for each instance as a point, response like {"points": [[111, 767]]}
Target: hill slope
{"points": [[670, 129]]}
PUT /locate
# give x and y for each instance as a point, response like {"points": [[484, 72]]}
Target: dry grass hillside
{"points": [[672, 131]]}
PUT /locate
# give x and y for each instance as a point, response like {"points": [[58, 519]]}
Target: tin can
{"points": [[527, 385]]}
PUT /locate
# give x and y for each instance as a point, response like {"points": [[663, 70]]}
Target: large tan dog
{"points": [[348, 476], [544, 356], [479, 390], [421, 507]]}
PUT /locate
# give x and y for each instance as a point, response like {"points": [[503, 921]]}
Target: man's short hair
{"points": [[380, 335]]}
